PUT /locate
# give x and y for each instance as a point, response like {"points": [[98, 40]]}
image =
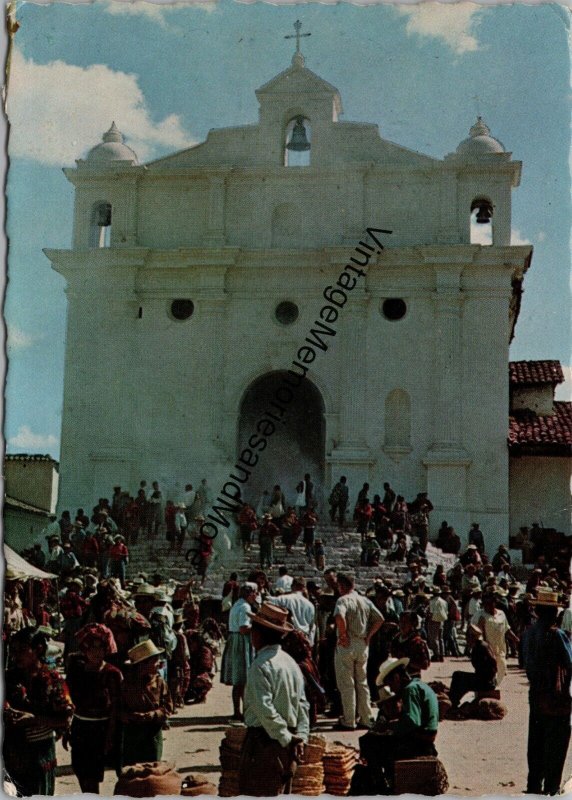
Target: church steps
{"points": [[343, 548]]}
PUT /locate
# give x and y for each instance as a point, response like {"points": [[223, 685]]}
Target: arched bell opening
{"points": [[481, 221], [100, 225], [298, 142]]}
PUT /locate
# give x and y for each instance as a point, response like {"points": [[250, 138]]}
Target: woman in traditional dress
{"points": [[238, 653], [95, 688], [37, 707]]}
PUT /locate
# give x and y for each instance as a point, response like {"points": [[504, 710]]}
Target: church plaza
{"points": [[481, 758]]}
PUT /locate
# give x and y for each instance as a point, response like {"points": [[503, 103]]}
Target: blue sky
{"points": [[167, 75]]}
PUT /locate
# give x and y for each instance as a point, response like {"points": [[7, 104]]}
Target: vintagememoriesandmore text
{"points": [[317, 341]]}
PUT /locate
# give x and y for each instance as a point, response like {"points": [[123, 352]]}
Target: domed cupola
{"points": [[112, 148], [480, 142]]}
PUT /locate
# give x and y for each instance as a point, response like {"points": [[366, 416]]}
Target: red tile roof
{"points": [[535, 373], [28, 457], [531, 434]]}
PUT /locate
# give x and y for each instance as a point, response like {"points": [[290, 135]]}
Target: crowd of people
{"points": [[100, 667], [295, 652]]}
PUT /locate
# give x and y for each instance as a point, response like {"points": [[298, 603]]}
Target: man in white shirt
{"points": [[302, 610], [275, 710], [357, 619], [283, 581], [189, 496], [438, 614]]}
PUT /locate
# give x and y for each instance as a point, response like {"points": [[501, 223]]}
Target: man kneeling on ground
{"points": [[484, 663], [414, 732]]}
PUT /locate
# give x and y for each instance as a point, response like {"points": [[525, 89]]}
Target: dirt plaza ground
{"points": [[481, 758]]}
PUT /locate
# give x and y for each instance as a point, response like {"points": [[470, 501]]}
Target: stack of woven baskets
{"points": [[230, 750], [339, 764], [309, 776]]}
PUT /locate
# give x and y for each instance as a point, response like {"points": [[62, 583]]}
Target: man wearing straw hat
{"points": [[275, 709], [145, 705], [547, 656], [412, 735]]}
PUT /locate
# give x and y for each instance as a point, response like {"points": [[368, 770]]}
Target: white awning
{"points": [[17, 568]]}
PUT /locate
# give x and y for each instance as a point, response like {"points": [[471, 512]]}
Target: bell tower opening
{"points": [[298, 142], [295, 447]]}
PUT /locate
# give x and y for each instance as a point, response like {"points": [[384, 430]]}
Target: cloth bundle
{"points": [[148, 779], [339, 763], [230, 751], [194, 785]]}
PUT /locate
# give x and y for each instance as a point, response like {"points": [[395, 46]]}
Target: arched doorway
{"points": [[297, 446]]}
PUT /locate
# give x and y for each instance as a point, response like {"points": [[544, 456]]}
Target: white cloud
{"points": [[19, 339], [26, 439], [155, 11], [57, 111], [481, 234], [540, 236], [453, 23], [517, 238]]}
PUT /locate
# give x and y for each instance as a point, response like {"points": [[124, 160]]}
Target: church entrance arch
{"points": [[296, 447]]}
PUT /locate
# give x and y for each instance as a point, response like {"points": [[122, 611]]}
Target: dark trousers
{"points": [[461, 683], [382, 751], [338, 510], [548, 739], [450, 639], [266, 768]]}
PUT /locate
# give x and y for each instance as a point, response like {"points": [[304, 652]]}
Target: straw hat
{"points": [[145, 590], [384, 694], [475, 630], [143, 651], [161, 597], [546, 597], [388, 666], [272, 616]]}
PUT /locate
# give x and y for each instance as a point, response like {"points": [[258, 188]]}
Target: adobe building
{"points": [[30, 494], [194, 280]]}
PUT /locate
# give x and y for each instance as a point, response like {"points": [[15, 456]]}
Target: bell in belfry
{"points": [[484, 211], [298, 140]]}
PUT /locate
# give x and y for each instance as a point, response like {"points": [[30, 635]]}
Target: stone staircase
{"points": [[343, 548]]}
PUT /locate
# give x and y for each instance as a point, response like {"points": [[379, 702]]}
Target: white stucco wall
{"points": [[540, 492], [225, 225]]}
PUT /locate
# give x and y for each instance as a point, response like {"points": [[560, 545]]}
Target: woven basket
{"points": [[425, 775]]}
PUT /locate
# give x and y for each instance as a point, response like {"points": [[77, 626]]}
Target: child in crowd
{"points": [[309, 521], [171, 531], [320, 555], [180, 526]]}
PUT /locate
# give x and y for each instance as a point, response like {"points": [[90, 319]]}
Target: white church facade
{"points": [[194, 282]]}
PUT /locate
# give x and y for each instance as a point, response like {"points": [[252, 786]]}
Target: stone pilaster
{"points": [[215, 235]]}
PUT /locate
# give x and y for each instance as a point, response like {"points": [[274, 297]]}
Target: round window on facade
{"points": [[287, 312], [182, 309], [394, 308]]}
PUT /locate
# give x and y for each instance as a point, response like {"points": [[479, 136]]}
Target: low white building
{"points": [[194, 283], [540, 447]]}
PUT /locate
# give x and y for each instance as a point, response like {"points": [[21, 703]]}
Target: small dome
{"points": [[480, 142], [112, 148]]}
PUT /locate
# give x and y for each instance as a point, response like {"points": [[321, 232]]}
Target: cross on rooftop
{"points": [[297, 35]]}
